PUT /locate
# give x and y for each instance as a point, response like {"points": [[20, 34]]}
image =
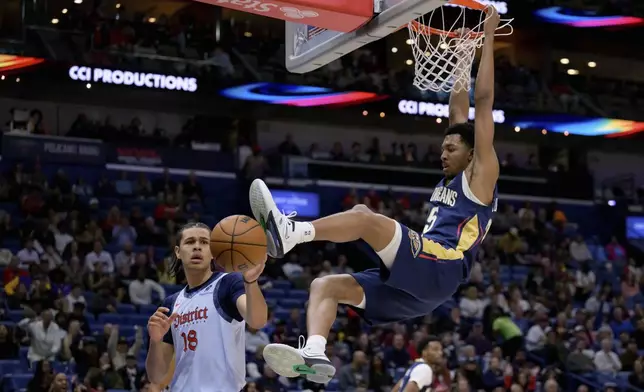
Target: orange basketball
{"points": [[238, 243]]}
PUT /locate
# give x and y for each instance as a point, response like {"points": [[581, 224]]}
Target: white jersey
{"points": [[208, 336], [420, 373]]}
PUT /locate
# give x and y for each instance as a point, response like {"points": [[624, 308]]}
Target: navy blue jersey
{"points": [[457, 222]]}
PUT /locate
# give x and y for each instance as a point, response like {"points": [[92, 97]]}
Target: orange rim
{"points": [[426, 30]]}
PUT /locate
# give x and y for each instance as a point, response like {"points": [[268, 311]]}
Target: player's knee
{"points": [[361, 208], [343, 288]]}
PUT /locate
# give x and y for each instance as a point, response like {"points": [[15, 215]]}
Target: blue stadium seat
{"points": [[126, 331], [298, 294], [290, 303], [281, 284], [20, 381], [147, 310], [275, 293], [9, 366], [172, 288], [138, 319], [16, 315], [125, 309], [111, 318], [281, 314], [333, 385]]}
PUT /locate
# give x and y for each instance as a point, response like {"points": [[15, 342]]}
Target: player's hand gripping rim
{"points": [[159, 324]]}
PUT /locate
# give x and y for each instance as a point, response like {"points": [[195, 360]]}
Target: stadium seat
{"points": [[291, 303], [147, 310], [20, 381], [298, 294], [281, 284], [111, 318], [9, 366], [275, 293], [126, 309], [137, 319]]}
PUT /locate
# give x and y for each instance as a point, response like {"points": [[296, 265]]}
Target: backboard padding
{"points": [[309, 48]]}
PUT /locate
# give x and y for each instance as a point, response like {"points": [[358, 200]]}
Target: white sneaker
{"points": [[279, 228], [288, 361]]}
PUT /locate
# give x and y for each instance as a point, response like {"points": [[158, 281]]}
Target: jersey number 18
{"points": [[190, 341]]}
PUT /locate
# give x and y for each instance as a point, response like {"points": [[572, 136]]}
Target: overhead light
{"points": [[409, 42], [118, 5], [55, 21], [78, 1], [88, 85], [543, 131], [152, 20], [427, 54], [364, 112], [382, 114], [439, 120], [64, 11], [573, 72], [248, 34], [409, 62], [443, 46], [566, 133], [2, 77], [17, 80], [394, 49], [564, 61], [517, 129], [592, 64]]}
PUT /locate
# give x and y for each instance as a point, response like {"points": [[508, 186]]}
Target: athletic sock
{"points": [[306, 231], [317, 342]]}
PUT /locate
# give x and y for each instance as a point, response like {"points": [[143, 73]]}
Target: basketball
{"points": [[238, 243]]}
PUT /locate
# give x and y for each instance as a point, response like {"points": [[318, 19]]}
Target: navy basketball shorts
{"points": [[411, 282]]}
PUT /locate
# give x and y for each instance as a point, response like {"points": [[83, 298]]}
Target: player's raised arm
{"points": [[484, 169], [252, 305], [459, 99], [160, 354]]}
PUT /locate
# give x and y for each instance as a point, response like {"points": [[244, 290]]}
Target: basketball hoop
{"points": [[443, 56]]}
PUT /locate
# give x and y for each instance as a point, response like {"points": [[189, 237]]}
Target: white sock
{"points": [[306, 231], [317, 342]]}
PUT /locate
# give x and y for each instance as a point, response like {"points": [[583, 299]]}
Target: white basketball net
{"points": [[443, 63]]}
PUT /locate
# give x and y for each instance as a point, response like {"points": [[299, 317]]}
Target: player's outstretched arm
{"points": [[484, 169], [459, 98], [161, 352]]}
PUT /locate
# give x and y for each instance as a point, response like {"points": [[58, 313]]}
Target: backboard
{"points": [[309, 47]]}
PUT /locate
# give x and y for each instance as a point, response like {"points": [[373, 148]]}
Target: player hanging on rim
{"points": [[420, 375], [203, 325], [418, 272]]}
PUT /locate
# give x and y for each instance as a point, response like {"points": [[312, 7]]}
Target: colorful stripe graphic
{"points": [[585, 19], [10, 63], [302, 96], [607, 127]]}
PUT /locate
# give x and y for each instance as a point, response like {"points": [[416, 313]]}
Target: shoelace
{"points": [[301, 342], [288, 217]]}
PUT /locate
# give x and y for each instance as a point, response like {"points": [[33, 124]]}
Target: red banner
{"points": [[337, 15]]}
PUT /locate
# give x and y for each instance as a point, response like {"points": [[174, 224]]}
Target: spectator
{"points": [[579, 250], [536, 337], [636, 379], [75, 296], [140, 289], [123, 233], [45, 335], [629, 356], [510, 333], [9, 348], [99, 256], [118, 349], [355, 375], [606, 360], [471, 306], [59, 384], [615, 251], [255, 338], [397, 356], [43, 377], [28, 255]]}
